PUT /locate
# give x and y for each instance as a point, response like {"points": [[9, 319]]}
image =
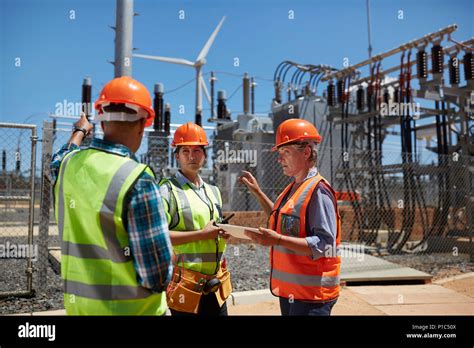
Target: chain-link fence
{"points": [[18, 206], [390, 203]]}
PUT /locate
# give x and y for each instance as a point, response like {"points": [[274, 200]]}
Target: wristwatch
{"points": [[79, 129]]}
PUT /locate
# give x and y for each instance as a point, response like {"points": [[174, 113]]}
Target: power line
{"points": [[242, 75], [183, 85], [235, 91], [229, 73], [263, 79]]}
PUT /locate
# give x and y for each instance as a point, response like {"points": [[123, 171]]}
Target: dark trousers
{"points": [[295, 307], [208, 306]]}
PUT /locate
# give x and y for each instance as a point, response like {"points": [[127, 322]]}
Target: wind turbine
{"points": [[198, 64]]}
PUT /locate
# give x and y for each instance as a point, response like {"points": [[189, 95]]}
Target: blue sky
{"points": [[57, 53]]}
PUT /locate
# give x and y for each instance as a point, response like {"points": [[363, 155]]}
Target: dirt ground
{"points": [[463, 286]]}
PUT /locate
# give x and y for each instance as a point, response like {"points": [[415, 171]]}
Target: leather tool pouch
{"points": [[185, 289]]}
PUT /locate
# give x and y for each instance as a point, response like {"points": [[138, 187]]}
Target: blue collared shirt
{"points": [[143, 217], [321, 217]]}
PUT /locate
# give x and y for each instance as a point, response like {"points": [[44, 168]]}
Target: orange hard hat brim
{"points": [[317, 140], [150, 111], [190, 143]]}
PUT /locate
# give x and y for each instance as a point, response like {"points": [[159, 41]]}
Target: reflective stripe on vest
{"points": [[194, 214], [183, 199], [293, 274], [199, 257], [105, 292], [96, 270], [306, 280]]}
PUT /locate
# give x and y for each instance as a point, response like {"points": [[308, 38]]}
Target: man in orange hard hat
{"points": [[116, 252], [304, 226]]}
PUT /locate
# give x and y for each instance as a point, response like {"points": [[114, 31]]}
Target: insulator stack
{"points": [[360, 98], [167, 118], [396, 95], [158, 107], [468, 66], [386, 96], [437, 60], [221, 105], [331, 94], [422, 64], [246, 93], [370, 92], [453, 70], [278, 91], [86, 96], [340, 91]]}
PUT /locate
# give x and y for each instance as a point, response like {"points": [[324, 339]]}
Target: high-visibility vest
{"points": [[96, 264], [190, 213], [295, 275]]}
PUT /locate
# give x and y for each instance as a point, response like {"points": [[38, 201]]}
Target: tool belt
{"points": [[186, 288]]}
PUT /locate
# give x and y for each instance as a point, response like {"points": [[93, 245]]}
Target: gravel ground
{"points": [[13, 278], [249, 266], [50, 299]]}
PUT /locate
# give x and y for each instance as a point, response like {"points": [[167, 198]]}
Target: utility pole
{"points": [[369, 32], [123, 38]]}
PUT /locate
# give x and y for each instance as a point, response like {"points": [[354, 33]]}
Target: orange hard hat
{"points": [[127, 91], [189, 134], [294, 130]]}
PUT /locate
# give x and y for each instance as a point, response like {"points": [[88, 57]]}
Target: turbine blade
{"points": [[165, 59], [209, 42], [206, 92]]}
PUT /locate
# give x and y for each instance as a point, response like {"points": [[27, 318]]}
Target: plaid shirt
{"points": [[144, 220]]}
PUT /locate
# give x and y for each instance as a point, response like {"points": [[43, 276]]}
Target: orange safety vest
{"points": [[294, 275]]}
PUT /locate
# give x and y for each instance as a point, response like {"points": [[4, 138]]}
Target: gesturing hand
{"points": [[249, 180], [83, 122]]}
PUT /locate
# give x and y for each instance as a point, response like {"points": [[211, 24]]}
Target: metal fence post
{"points": [[31, 218], [45, 204], [469, 172]]}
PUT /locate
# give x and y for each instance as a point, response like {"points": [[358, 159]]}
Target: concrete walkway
{"points": [[358, 266]]}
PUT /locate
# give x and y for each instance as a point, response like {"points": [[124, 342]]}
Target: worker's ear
{"points": [[307, 152]]}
